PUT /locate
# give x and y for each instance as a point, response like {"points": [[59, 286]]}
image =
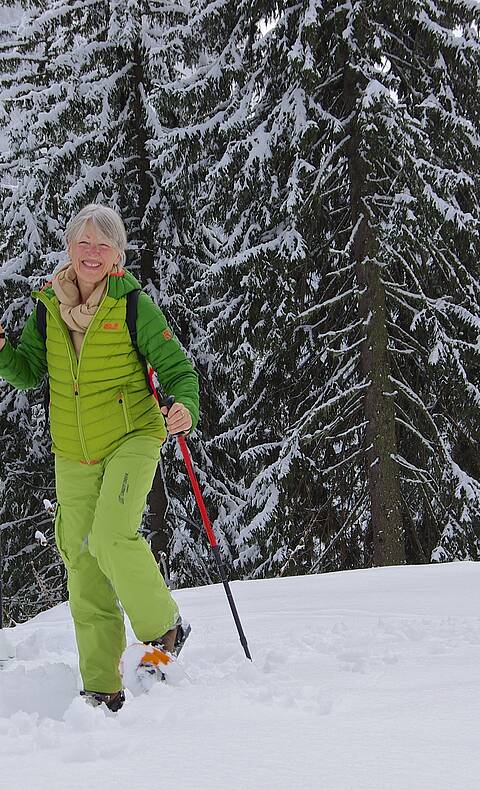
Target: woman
{"points": [[107, 431]]}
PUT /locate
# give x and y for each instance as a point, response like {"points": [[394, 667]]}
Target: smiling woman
{"points": [[107, 431]]}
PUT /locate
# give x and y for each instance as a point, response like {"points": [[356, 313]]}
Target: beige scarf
{"points": [[76, 315]]}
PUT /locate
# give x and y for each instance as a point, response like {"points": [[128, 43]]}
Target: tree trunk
{"points": [[157, 498], [380, 437], [142, 162]]}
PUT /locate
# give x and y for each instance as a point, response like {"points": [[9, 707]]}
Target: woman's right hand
{"points": [[2, 337]]}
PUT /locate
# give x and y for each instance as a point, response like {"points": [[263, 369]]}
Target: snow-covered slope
{"points": [[362, 680]]}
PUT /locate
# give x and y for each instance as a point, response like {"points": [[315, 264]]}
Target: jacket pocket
{"points": [[122, 401]]}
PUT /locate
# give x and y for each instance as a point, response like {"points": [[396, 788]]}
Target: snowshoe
{"points": [[144, 664]]}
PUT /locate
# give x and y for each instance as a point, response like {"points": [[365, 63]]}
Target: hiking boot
{"points": [[113, 701], [174, 639], [167, 641]]}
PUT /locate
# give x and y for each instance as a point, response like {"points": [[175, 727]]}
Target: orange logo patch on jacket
{"points": [[111, 325], [167, 334]]}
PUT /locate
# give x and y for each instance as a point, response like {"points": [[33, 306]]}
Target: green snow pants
{"points": [[109, 565]]}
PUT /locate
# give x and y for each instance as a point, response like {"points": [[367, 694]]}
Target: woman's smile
{"points": [[92, 264]]}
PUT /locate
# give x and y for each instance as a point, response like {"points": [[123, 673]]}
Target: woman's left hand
{"points": [[178, 418]]}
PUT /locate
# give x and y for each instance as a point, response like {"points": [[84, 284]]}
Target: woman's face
{"points": [[92, 256]]}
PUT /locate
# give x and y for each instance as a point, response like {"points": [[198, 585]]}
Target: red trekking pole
{"points": [[168, 402]]}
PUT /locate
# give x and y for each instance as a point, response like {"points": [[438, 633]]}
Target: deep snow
{"points": [[361, 680]]}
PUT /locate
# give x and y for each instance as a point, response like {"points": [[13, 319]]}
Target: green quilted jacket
{"points": [[99, 399]]}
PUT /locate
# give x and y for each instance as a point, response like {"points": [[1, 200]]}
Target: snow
{"points": [[361, 680]]}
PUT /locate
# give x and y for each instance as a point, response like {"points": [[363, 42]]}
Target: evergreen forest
{"points": [[300, 184]]}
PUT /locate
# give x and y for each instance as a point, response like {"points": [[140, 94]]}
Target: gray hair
{"points": [[106, 221]]}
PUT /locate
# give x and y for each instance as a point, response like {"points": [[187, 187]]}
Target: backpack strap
{"points": [[132, 305], [42, 320]]}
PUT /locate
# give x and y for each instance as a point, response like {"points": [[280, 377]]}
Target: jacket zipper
{"points": [[76, 387], [75, 367]]}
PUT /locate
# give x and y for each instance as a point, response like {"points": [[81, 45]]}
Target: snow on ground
{"points": [[361, 680]]}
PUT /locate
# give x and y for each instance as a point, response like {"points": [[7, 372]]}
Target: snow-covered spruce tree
{"points": [[274, 243], [410, 269], [75, 85], [343, 273], [188, 108], [250, 250], [32, 575], [433, 284], [400, 303]]}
